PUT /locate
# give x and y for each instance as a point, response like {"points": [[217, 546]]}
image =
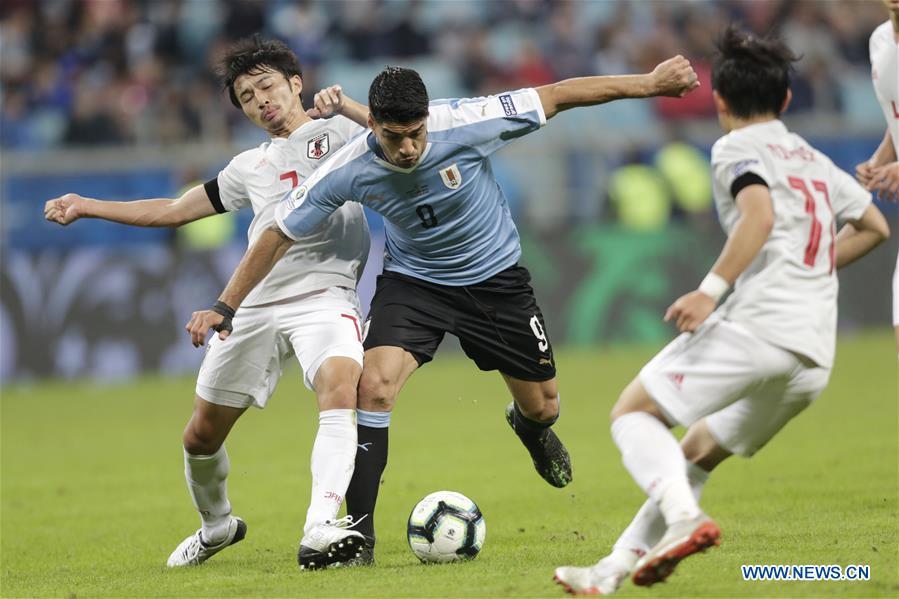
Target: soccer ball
{"points": [[446, 527]]}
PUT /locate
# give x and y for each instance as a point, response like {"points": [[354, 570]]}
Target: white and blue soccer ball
{"points": [[446, 527]]}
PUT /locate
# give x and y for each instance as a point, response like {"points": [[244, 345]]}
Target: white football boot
{"points": [[681, 540], [602, 578], [193, 550], [330, 543]]}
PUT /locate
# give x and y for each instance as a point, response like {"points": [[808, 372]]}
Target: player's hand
{"points": [[65, 209], [674, 77], [863, 172], [328, 102], [690, 311], [885, 181], [202, 321]]}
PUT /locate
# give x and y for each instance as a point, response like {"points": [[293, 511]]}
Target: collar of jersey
{"points": [[774, 123], [296, 132], [379, 156]]}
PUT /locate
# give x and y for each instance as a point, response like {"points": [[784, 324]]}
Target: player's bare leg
{"points": [[534, 410], [703, 454], [206, 469], [657, 463], [327, 540], [386, 370]]}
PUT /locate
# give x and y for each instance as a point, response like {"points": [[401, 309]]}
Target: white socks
{"points": [[648, 526], [333, 460], [656, 462], [207, 482]]}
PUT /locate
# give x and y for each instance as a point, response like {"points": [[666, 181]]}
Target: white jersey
{"points": [[885, 73], [788, 295], [332, 255]]}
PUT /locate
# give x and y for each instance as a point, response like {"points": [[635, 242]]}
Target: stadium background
{"points": [[115, 99]]}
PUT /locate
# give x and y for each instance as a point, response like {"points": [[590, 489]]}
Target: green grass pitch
{"points": [[93, 497]]}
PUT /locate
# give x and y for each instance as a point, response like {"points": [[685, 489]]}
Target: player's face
{"points": [[402, 144], [892, 6], [269, 99]]}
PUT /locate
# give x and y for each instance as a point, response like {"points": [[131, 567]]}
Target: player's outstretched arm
{"points": [[743, 244], [160, 212], [331, 100], [884, 154], [256, 263], [674, 77], [858, 237]]}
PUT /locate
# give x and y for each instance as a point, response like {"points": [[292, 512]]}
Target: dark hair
{"points": [[253, 55], [398, 95], [752, 74]]}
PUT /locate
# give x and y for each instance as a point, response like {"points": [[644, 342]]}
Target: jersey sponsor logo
{"points": [[508, 105], [677, 379], [417, 191], [318, 146], [743, 166], [296, 197], [451, 176]]}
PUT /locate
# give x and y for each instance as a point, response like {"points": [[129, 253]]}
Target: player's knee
{"points": [[634, 398], [339, 396], [377, 393], [200, 440]]}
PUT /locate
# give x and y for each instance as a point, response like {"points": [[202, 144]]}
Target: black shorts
{"points": [[497, 321]]}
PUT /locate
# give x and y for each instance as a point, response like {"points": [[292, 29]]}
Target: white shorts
{"points": [[244, 369], [896, 293], [748, 388]]}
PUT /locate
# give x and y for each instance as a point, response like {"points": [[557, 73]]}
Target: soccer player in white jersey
{"points": [[880, 173], [737, 374], [306, 307], [452, 251]]}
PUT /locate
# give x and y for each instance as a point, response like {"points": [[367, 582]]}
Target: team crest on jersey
{"points": [[451, 176], [318, 146]]}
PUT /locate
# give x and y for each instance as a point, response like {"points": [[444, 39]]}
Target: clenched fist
{"points": [[328, 102], [674, 77], [65, 209]]}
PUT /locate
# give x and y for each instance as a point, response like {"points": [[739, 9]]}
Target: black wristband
{"points": [[228, 313], [223, 309]]}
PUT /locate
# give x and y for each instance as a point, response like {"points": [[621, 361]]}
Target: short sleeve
{"points": [[488, 123], [733, 163], [849, 199], [232, 192], [305, 208]]}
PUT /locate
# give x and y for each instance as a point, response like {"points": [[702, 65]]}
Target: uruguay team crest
{"points": [[451, 176], [318, 146]]}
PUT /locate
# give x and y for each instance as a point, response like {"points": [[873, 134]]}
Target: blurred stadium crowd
{"points": [[94, 72]]}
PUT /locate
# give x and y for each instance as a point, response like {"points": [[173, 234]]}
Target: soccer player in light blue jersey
{"points": [[452, 251]]}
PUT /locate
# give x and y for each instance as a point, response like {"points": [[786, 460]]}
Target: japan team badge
{"points": [[318, 146], [451, 176]]}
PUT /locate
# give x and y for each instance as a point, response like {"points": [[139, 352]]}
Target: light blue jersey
{"points": [[446, 219]]}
